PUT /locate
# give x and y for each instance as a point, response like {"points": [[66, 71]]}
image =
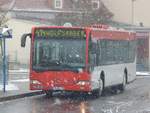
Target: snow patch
{"points": [[9, 87], [142, 73], [20, 80], [144, 111], [20, 70], [116, 107], [57, 102]]}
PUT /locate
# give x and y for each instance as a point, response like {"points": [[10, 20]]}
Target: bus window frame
{"points": [[93, 55]]}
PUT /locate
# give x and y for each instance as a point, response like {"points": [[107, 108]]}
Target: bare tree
{"points": [[94, 15], [88, 15], [5, 7]]}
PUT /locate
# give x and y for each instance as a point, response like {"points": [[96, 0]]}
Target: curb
{"points": [[17, 96]]}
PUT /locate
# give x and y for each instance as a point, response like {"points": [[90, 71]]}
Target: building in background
{"points": [[143, 47], [133, 16], [17, 55], [119, 13], [58, 12], [26, 14], [130, 11]]}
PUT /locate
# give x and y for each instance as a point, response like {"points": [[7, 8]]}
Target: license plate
{"points": [[58, 88]]}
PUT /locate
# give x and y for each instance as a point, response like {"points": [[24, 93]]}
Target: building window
{"points": [[95, 4], [58, 4]]}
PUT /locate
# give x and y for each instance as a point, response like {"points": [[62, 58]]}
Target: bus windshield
{"points": [[59, 54]]}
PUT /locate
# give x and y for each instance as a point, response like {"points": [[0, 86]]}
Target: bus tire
{"points": [[123, 85], [98, 92], [49, 93]]}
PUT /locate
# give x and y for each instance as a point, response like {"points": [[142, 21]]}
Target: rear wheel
{"points": [[98, 92]]}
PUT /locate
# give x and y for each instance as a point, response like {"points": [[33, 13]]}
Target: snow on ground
{"points": [[57, 101], [20, 80], [9, 87], [143, 73], [19, 70]]}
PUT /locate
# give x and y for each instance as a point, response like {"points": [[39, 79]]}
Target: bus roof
{"points": [[113, 34]]}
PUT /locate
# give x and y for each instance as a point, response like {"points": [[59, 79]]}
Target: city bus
{"points": [[81, 59]]}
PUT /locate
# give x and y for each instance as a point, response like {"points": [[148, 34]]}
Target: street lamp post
{"points": [[4, 60], [6, 33], [4, 64]]}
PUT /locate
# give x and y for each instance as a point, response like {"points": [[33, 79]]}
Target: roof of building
{"points": [[2, 2]]}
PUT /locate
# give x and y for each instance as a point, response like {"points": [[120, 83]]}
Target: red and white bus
{"points": [[81, 59]]}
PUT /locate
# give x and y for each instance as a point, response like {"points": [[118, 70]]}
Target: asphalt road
{"points": [[135, 99]]}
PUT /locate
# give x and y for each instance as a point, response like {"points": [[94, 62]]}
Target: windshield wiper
{"points": [[51, 68], [56, 66]]}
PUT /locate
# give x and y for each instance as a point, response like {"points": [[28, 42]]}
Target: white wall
{"points": [[14, 45]]}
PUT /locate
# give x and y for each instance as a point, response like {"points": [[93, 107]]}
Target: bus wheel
{"points": [[49, 93], [98, 92], [123, 85]]}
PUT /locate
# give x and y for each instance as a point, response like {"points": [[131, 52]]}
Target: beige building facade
{"points": [[130, 11], [15, 52]]}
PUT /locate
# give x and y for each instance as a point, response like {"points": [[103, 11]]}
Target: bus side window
{"points": [[92, 53]]}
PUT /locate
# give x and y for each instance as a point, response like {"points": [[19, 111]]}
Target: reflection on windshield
{"points": [[50, 53]]}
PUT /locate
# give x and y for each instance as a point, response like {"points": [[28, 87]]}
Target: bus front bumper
{"points": [[76, 87]]}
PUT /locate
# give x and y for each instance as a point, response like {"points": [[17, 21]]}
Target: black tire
{"points": [[98, 92], [49, 93], [122, 87]]}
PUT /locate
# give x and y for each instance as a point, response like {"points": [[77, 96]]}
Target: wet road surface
{"points": [[135, 99]]}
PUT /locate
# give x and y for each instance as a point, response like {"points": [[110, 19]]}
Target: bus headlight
{"points": [[34, 82], [82, 83]]}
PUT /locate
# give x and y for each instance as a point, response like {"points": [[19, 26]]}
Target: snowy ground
{"points": [[143, 73], [136, 99], [9, 87]]}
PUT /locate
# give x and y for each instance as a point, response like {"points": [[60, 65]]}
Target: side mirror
{"points": [[23, 39]]}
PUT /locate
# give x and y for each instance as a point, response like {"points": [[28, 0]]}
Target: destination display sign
{"points": [[60, 33]]}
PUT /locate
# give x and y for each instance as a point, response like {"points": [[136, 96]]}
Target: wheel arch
{"points": [[126, 74]]}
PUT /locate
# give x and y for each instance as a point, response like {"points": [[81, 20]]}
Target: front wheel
{"points": [[98, 92], [49, 93]]}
